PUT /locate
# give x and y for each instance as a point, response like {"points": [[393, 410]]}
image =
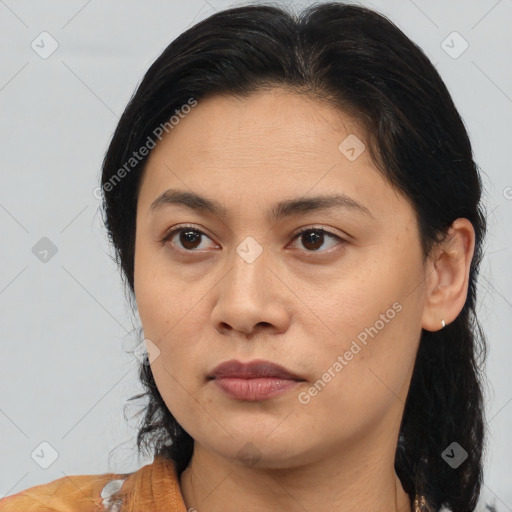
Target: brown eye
{"points": [[186, 239], [314, 239], [190, 239]]}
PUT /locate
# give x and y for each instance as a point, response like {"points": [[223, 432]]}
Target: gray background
{"points": [[66, 327]]}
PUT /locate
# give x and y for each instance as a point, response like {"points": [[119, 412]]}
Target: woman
{"points": [[296, 211]]}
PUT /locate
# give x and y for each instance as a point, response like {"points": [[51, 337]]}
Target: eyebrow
{"points": [[279, 211]]}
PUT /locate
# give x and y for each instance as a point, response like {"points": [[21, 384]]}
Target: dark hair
{"points": [[361, 63]]}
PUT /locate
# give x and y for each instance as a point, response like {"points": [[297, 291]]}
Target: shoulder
{"points": [[81, 493], [155, 487]]}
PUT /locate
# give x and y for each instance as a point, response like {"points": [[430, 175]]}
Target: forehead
{"points": [[273, 121], [268, 146], [274, 133]]}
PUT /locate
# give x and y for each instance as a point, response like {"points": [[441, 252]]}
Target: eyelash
{"points": [[169, 235]]}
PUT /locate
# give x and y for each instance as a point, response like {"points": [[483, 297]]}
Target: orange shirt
{"points": [[153, 488]]}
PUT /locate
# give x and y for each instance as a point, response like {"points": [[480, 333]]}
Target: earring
{"points": [[420, 504], [442, 322]]}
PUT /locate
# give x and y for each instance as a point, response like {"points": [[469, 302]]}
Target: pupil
{"points": [[188, 239], [314, 238]]}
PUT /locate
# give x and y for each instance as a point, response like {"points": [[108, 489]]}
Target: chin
{"points": [[261, 451]]}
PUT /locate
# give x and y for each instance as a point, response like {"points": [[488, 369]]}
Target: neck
{"points": [[355, 479]]}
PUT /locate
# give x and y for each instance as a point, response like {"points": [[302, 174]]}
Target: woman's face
{"points": [[340, 309]]}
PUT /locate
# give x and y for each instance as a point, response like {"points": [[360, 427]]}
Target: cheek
{"points": [[374, 319], [170, 309], [363, 378], [161, 296], [174, 381]]}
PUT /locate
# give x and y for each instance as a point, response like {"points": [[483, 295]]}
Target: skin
{"points": [[292, 305]]}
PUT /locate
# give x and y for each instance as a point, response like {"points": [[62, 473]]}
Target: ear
{"points": [[447, 276]]}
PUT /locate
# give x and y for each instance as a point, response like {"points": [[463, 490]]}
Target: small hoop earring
{"points": [[442, 322]]}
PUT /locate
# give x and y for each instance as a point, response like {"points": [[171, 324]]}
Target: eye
{"points": [[314, 238], [185, 238], [189, 239]]}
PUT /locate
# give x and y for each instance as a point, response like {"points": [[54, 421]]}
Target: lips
{"points": [[252, 370], [254, 381]]}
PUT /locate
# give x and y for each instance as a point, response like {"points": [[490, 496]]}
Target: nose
{"points": [[251, 299]]}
